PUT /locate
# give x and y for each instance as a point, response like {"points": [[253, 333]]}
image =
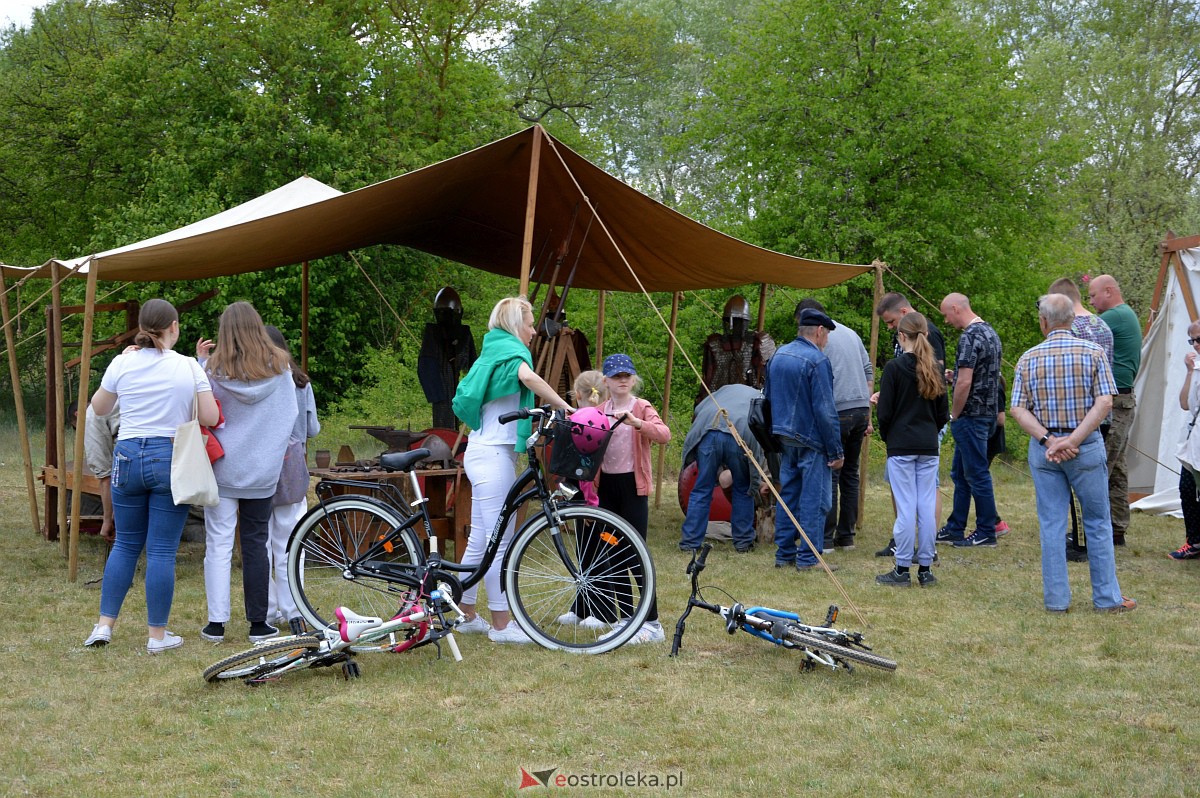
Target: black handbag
{"points": [[759, 421]]}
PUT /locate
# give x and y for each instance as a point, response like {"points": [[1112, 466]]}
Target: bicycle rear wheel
{"points": [[326, 543], [615, 580], [262, 660], [800, 638]]}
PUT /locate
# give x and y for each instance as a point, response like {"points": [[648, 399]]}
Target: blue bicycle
{"points": [[821, 645]]}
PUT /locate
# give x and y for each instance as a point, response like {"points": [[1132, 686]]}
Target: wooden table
{"points": [[447, 491]]}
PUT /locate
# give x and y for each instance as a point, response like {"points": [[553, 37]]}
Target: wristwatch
{"points": [[1042, 440]]}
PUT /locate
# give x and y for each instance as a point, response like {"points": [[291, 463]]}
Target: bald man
{"points": [[1105, 296], [974, 405]]}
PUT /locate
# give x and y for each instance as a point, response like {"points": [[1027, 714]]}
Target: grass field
{"points": [[993, 696]]}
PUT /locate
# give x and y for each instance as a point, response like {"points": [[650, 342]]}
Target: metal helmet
{"points": [[447, 306], [736, 308]]}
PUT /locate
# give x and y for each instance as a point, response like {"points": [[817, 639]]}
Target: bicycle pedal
{"points": [[350, 670]]}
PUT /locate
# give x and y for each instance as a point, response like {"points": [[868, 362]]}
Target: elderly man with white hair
{"points": [[1062, 390]]}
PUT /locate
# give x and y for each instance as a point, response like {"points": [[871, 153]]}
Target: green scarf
{"points": [[493, 375]]}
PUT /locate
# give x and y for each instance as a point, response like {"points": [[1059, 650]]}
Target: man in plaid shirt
{"points": [[1062, 390]]}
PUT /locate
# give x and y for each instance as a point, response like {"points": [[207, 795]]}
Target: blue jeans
{"points": [[806, 485], [913, 478], [717, 449], [971, 476], [1087, 475], [147, 518]]}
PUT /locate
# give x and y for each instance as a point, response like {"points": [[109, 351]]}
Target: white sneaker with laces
{"points": [[101, 636], [570, 619], [651, 632], [616, 627], [475, 626], [168, 642], [509, 634], [592, 622]]}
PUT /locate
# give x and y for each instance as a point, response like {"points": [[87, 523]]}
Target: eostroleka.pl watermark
{"points": [[553, 778]]}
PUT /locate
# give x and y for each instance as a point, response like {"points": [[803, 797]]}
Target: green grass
{"points": [[992, 697]]}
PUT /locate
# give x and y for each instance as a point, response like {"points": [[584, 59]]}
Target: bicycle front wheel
{"points": [[325, 544], [815, 641], [262, 660], [614, 584]]}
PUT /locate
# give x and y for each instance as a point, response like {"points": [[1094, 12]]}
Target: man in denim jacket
{"points": [[804, 418]]}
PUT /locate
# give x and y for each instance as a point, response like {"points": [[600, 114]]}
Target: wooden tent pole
{"points": [[85, 374], [762, 307], [662, 450], [19, 402], [1160, 284], [873, 353], [600, 328], [535, 158], [304, 317], [59, 417]]}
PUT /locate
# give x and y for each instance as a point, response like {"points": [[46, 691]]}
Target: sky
{"points": [[18, 12]]}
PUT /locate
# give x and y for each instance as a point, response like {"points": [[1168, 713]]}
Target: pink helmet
{"points": [[589, 426]]}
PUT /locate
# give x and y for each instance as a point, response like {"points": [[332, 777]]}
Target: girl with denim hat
{"points": [[625, 474]]}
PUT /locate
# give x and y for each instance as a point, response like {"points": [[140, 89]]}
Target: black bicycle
{"points": [[821, 645], [363, 552]]}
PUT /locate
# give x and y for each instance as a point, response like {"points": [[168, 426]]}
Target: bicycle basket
{"points": [[566, 460]]}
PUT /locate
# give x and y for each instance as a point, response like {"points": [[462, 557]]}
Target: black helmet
{"points": [[447, 307], [736, 308]]}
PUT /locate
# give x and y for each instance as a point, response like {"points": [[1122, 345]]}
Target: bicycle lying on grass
{"points": [[821, 645], [418, 623], [358, 551]]}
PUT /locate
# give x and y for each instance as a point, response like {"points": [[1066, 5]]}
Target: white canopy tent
{"points": [[1153, 467]]}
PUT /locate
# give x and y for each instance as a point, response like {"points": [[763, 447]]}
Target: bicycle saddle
{"points": [[402, 461], [351, 624]]}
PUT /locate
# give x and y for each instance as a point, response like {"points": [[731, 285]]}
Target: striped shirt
{"points": [[1059, 380]]}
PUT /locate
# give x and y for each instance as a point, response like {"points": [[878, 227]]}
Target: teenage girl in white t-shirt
{"points": [[156, 387]]}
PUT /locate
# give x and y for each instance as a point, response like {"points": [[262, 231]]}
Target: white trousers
{"points": [[284, 518], [492, 471]]}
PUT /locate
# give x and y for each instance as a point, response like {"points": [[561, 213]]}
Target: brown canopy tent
{"points": [[486, 208]]}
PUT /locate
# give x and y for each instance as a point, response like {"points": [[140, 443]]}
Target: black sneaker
{"points": [[926, 578], [844, 543], [946, 536], [975, 540], [894, 578], [261, 630], [889, 550], [214, 632], [1076, 554], [746, 549]]}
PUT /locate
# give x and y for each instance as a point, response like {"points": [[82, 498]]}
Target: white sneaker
{"points": [[101, 636], [509, 634], [592, 622], [475, 626], [651, 632], [168, 642], [570, 619], [616, 627]]}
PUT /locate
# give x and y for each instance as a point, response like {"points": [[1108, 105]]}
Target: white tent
{"points": [[1153, 467]]}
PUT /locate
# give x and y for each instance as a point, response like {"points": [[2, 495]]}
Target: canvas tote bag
{"points": [[192, 480]]}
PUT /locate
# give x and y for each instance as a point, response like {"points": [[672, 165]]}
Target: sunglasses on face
{"points": [[1194, 341]]}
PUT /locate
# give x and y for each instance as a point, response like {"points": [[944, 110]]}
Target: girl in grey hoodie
{"points": [[251, 379]]}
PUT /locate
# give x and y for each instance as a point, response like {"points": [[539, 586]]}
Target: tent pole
{"points": [[19, 402], [865, 457], [600, 327], [59, 417], [762, 307], [662, 450], [535, 158], [1156, 301], [304, 317], [85, 373]]}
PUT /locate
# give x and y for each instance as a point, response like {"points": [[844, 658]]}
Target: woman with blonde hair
{"points": [[158, 389], [252, 380], [912, 408], [500, 381]]}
